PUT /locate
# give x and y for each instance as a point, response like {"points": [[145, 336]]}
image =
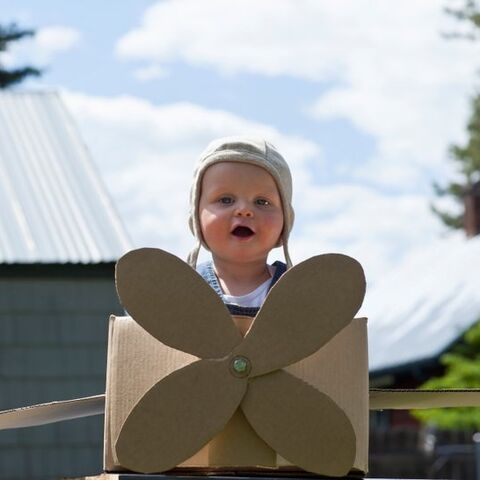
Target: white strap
{"points": [[52, 412], [406, 399]]}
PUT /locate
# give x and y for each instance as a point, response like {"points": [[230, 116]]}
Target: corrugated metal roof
{"points": [[53, 205], [419, 310]]}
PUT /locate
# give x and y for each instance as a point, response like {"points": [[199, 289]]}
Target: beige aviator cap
{"points": [[243, 149]]}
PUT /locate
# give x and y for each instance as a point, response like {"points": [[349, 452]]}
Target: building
{"points": [[420, 310], [434, 302], [59, 239], [417, 313]]}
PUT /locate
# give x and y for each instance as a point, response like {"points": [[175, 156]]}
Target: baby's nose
{"points": [[243, 210]]}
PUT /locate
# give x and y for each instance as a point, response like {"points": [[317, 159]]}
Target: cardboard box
{"points": [[136, 361], [188, 387]]}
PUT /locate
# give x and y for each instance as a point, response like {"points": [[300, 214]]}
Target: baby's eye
{"points": [[226, 200], [263, 202]]}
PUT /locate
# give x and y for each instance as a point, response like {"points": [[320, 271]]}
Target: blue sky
{"points": [[362, 97]]}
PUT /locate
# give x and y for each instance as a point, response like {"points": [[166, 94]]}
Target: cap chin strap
{"points": [[193, 256], [288, 260]]}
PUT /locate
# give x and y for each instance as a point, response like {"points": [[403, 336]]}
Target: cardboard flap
{"points": [[178, 416], [152, 285], [135, 362], [306, 309], [52, 412], [407, 399], [294, 418]]}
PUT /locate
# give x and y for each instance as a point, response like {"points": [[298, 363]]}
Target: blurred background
{"points": [[104, 109]]}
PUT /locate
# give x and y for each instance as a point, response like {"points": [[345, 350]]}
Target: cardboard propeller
{"points": [[184, 410]]}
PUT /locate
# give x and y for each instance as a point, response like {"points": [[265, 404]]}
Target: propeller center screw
{"points": [[240, 366]]}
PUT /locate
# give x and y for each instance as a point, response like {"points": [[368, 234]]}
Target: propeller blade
{"points": [[300, 423], [179, 415], [174, 304], [307, 307]]}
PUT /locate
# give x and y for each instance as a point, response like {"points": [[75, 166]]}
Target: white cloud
{"points": [[303, 38], [150, 72], [45, 45], [389, 70], [378, 229], [50, 41], [272, 37], [146, 154], [7, 59]]}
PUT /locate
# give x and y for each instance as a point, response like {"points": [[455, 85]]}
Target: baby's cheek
{"points": [[274, 220]]}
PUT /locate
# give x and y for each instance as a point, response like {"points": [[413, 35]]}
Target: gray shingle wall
{"points": [[53, 338]]}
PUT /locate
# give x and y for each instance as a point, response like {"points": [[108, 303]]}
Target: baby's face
{"points": [[240, 211]]}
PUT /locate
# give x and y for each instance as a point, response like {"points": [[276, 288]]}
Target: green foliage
{"points": [[466, 157], [462, 370], [449, 219], [469, 13], [8, 34]]}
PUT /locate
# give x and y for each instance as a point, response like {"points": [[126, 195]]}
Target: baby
{"points": [[240, 210]]}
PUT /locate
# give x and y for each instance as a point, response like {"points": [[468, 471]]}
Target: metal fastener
{"points": [[240, 366]]}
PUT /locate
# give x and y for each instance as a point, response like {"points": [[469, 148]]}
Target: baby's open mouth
{"points": [[243, 232]]}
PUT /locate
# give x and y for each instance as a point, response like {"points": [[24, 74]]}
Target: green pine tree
{"points": [[467, 157], [9, 77], [469, 13]]}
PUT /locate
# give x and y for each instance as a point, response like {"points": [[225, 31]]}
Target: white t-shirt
{"points": [[252, 299]]}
